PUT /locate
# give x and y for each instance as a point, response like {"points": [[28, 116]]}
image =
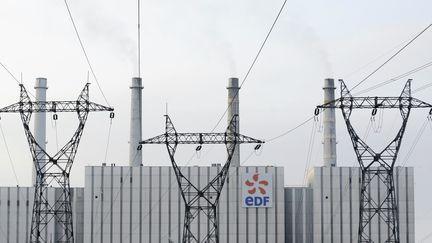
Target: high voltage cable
{"points": [[250, 69], [412, 71], [415, 70], [108, 141], [393, 56], [368, 76], [412, 147], [415, 142], [430, 234], [229, 176], [253, 63], [310, 150], [291, 130], [9, 155], [373, 61], [11, 162], [13, 76], [426, 237], [9, 72], [85, 53]]}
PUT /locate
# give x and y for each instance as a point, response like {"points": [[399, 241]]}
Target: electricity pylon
{"points": [[377, 167], [53, 170], [201, 201]]}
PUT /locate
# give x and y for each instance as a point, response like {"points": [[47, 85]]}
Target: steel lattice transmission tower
{"points": [[201, 201], [53, 170], [377, 167]]}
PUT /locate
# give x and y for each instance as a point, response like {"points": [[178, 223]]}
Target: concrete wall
{"points": [[336, 193], [16, 205], [143, 204]]}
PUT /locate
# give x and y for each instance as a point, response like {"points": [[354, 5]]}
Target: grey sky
{"points": [[189, 49]]}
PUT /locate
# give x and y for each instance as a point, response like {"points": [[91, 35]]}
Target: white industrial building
{"points": [[140, 203]]}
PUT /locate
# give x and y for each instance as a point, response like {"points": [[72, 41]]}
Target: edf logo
{"points": [[257, 190]]}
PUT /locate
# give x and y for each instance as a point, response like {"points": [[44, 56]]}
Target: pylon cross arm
{"points": [[201, 200], [376, 102], [53, 170], [54, 106], [200, 138]]}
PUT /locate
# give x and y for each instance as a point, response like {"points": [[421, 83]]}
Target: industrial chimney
{"points": [[135, 154], [233, 109], [40, 123], [329, 122]]}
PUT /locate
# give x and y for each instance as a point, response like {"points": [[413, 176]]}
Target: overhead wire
{"points": [[415, 142], [373, 61], [393, 56], [11, 164], [412, 147], [252, 64], [303, 123], [122, 179], [230, 175], [9, 155], [14, 78], [412, 71], [398, 77], [369, 89], [55, 131], [85, 52], [363, 80], [108, 141], [426, 237], [10, 73], [312, 137], [290, 130]]}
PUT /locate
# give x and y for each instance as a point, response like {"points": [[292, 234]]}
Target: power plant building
{"points": [[140, 203]]}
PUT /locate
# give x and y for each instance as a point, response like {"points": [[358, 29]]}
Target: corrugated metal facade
{"points": [[143, 204], [336, 193], [298, 215], [16, 205]]}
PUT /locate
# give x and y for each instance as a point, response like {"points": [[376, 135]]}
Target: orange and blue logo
{"points": [[257, 190]]}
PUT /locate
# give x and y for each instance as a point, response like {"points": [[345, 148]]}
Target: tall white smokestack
{"points": [[233, 109], [135, 155], [329, 122], [40, 122]]}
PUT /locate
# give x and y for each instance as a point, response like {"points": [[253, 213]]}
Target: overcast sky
{"points": [[189, 50]]}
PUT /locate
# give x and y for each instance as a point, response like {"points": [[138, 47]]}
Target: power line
{"points": [[229, 177], [412, 71], [13, 77], [415, 70], [9, 155], [108, 142], [426, 237], [393, 56], [415, 142], [253, 63], [374, 60], [247, 74], [9, 72], [85, 53], [310, 150], [291, 130]]}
